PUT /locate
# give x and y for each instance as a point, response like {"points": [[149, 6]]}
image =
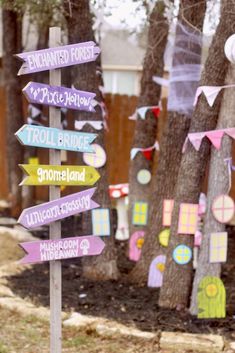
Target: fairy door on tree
{"points": [[156, 270], [211, 298], [135, 246]]}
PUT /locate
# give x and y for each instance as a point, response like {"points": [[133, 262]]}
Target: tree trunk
{"points": [[28, 192], [85, 78], [218, 184], [14, 113], [146, 130], [175, 131], [193, 165]]}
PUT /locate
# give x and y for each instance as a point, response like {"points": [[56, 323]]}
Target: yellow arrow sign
{"points": [[59, 175]]}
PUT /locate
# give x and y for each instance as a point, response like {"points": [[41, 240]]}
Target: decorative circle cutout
{"points": [[164, 237], [229, 48], [223, 208], [144, 176], [182, 254], [97, 158]]}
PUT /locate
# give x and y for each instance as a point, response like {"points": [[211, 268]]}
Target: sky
{"points": [[129, 14]]}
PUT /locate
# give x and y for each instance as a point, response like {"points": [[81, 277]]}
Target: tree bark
{"points": [[14, 113], [218, 184], [175, 131], [84, 77], [146, 130], [193, 164]]}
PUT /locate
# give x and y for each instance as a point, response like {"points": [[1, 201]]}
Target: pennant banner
{"points": [[141, 112], [147, 152], [55, 210], [210, 92], [215, 136], [47, 250], [54, 58], [96, 124]]}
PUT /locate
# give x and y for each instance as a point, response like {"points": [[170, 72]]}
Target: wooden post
{"points": [[55, 227]]}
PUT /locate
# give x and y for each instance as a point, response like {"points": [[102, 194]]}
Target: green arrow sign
{"points": [[59, 175]]}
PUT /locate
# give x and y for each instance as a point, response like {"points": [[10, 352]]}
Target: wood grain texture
{"points": [[55, 228]]}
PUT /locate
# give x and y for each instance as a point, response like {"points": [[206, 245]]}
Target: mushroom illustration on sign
{"points": [[84, 246], [211, 298], [135, 246], [156, 270]]}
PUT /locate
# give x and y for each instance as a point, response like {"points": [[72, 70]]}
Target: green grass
{"points": [[80, 340], [3, 348]]}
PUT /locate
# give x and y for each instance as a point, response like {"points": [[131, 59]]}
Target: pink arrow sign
{"points": [[57, 209], [54, 58], [59, 96], [47, 250]]}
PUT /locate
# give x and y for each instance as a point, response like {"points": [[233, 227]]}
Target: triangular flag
{"points": [[196, 139], [210, 92], [215, 137], [34, 112], [156, 111], [161, 81], [134, 151], [230, 132], [133, 116], [79, 124], [147, 153], [156, 145], [142, 112]]}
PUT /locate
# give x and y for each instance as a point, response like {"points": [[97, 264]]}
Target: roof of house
{"points": [[119, 48]]}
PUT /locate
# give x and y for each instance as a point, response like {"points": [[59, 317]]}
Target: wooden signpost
{"points": [[62, 97], [47, 137], [47, 250], [59, 175], [55, 139]]}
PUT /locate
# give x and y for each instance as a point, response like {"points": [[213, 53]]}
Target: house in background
{"points": [[122, 59]]}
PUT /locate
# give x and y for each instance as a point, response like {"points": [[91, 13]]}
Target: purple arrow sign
{"points": [[57, 209], [54, 58], [47, 250], [59, 96]]}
